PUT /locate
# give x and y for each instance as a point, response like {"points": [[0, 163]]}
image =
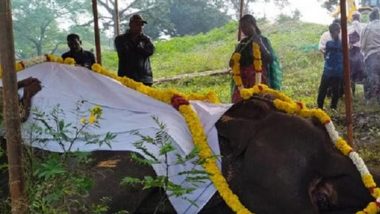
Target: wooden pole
{"points": [[346, 66], [117, 18], [96, 30], [240, 15], [11, 110]]}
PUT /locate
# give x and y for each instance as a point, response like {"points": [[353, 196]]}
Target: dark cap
{"points": [[137, 18]]}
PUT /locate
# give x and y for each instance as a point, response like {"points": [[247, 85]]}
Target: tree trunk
{"points": [[11, 110]]}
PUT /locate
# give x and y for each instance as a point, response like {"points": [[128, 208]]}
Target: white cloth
{"points": [[370, 39], [325, 37], [124, 110]]}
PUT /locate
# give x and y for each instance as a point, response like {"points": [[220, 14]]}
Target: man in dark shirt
{"points": [[81, 57], [333, 69], [134, 49]]}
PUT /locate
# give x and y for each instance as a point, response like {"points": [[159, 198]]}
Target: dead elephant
{"points": [[275, 163]]}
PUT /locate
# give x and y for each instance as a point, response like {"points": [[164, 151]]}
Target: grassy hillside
{"points": [[188, 54]]}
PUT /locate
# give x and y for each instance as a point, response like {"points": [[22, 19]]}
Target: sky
{"points": [[311, 10]]}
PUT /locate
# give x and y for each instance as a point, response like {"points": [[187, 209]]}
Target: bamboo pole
{"points": [[117, 18], [346, 66], [240, 15], [11, 110], [96, 30]]}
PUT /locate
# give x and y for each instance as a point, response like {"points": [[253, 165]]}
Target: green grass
{"points": [[189, 53]]}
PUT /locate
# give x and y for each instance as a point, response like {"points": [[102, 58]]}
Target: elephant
{"points": [[273, 161]]}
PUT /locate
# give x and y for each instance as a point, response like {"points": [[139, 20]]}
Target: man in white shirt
{"points": [[370, 45], [325, 37]]}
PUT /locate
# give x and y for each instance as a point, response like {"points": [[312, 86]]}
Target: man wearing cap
{"points": [[134, 49]]}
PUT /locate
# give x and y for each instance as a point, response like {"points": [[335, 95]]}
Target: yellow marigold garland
{"points": [[69, 61], [282, 102], [236, 69], [210, 165], [257, 63]]}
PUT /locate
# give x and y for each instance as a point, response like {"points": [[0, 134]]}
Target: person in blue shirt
{"points": [[333, 69]]}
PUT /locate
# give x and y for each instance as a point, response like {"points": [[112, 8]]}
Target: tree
{"points": [[235, 4], [166, 17], [283, 18], [330, 5], [36, 24], [152, 8], [196, 16]]}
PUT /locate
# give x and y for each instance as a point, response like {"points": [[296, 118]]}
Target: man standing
{"points": [[81, 57], [333, 69], [356, 57], [134, 49], [370, 44], [325, 37]]}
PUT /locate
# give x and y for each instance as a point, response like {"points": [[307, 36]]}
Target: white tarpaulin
{"points": [[124, 110]]}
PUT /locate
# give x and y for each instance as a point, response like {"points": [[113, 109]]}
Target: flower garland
{"points": [[257, 64], [284, 103]]}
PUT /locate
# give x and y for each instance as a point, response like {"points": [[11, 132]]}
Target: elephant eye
{"points": [[322, 201], [322, 194]]}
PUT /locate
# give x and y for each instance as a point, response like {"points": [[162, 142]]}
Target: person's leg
{"points": [[370, 80], [335, 83], [376, 77], [322, 91]]}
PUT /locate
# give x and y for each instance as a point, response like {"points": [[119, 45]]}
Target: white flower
{"points": [[359, 163], [334, 135]]}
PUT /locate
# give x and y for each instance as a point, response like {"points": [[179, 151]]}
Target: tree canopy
{"points": [[41, 26]]}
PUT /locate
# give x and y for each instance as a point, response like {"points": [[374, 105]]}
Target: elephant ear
{"points": [[240, 124], [256, 108], [238, 132]]}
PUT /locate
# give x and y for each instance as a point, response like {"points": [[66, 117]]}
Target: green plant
{"points": [[59, 182], [193, 177]]}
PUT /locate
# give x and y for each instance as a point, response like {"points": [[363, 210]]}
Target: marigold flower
{"points": [[91, 119], [19, 66], [96, 67], [97, 111], [83, 120], [342, 145], [368, 181], [69, 61]]}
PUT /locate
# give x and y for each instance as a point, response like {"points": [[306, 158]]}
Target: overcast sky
{"points": [[311, 10]]}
